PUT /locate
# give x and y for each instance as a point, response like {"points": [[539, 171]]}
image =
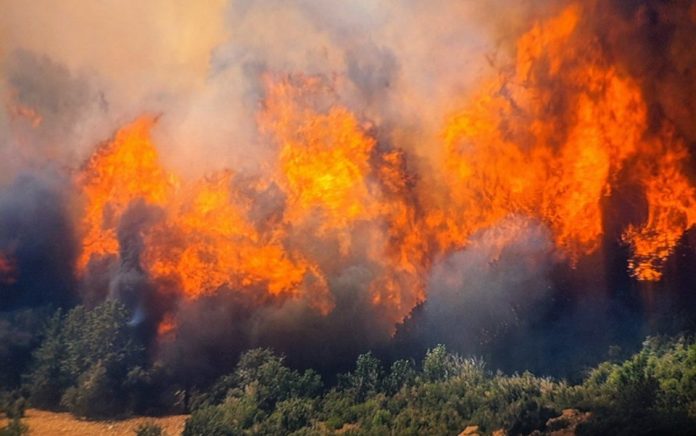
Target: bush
{"points": [[291, 415], [149, 429], [208, 421], [14, 428], [366, 380], [94, 396]]}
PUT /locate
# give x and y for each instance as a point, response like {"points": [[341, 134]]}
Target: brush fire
{"points": [[327, 181]]}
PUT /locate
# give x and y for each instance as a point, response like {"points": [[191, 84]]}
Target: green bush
{"points": [[149, 429], [291, 415], [209, 421], [14, 428]]}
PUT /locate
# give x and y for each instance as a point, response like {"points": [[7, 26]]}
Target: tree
{"points": [[438, 364], [85, 360], [366, 379], [48, 379], [402, 373]]}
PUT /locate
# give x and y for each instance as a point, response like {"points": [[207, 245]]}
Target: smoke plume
{"points": [[330, 177]]}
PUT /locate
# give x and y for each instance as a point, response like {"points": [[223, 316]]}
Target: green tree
{"points": [[48, 379], [402, 373], [265, 373], [366, 379], [85, 360], [439, 365]]}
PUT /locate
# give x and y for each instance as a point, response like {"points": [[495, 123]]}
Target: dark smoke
{"points": [[36, 233]]}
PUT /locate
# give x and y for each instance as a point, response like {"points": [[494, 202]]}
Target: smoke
{"points": [[501, 281], [652, 40], [236, 84], [37, 253], [37, 240]]}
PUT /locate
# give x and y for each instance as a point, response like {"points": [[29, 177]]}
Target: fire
{"points": [[323, 160], [671, 207], [547, 138], [205, 241], [121, 171], [551, 151], [208, 242], [555, 151], [336, 176]]}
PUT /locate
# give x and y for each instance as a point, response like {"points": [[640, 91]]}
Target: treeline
{"points": [[653, 392], [95, 365]]}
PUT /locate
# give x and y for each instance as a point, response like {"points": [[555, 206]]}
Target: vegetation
{"points": [[149, 429], [90, 363], [654, 392], [93, 364], [12, 407]]}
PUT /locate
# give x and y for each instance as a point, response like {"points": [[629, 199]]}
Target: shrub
{"points": [[148, 429], [14, 428], [208, 421]]}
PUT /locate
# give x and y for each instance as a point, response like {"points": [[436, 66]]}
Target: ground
{"points": [[41, 422]]}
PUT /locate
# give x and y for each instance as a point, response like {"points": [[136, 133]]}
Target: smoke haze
{"points": [[331, 177]]}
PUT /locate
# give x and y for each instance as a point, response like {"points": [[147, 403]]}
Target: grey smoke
{"points": [[495, 284]]}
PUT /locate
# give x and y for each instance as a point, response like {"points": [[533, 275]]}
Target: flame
{"points": [[524, 147], [335, 175], [546, 139], [120, 172], [208, 243], [205, 241], [323, 161], [671, 207]]}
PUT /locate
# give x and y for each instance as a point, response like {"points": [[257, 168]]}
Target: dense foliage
{"points": [[93, 363], [654, 392], [90, 363]]}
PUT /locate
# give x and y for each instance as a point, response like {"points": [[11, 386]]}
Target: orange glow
{"points": [[121, 171], [19, 110], [335, 176], [547, 139], [671, 207], [166, 326], [524, 147]]}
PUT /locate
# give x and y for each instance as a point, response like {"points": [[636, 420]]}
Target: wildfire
{"points": [[121, 171], [547, 139], [525, 147], [204, 242], [671, 206]]}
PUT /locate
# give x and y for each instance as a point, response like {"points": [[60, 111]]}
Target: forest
{"points": [[93, 364]]}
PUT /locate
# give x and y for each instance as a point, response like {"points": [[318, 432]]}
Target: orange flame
{"points": [[546, 139], [671, 207], [120, 172], [524, 147], [335, 175]]}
